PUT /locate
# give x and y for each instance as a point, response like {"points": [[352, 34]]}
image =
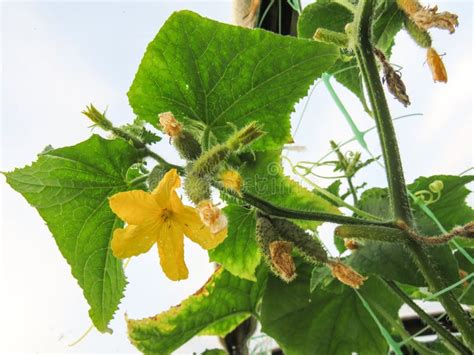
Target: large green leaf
{"points": [[70, 188], [451, 209], [239, 252], [264, 177], [388, 20], [334, 17], [215, 77], [217, 308], [391, 260], [325, 321]]}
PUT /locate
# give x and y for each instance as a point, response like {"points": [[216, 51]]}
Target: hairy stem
{"points": [[277, 211], [304, 215], [460, 318], [451, 340], [398, 192], [367, 64]]}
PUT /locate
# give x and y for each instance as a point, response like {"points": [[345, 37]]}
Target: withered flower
{"points": [[426, 17], [346, 274], [438, 70], [393, 79], [282, 260], [170, 125]]}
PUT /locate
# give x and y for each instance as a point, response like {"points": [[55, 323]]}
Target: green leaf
{"points": [[320, 277], [376, 202], [451, 209], [70, 188], [264, 177], [334, 17], [223, 327], [389, 260], [223, 300], [215, 77], [392, 260], [138, 129], [334, 188], [330, 320], [321, 14], [239, 253], [388, 20]]}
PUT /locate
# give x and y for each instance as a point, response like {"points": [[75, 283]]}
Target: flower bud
{"points": [[436, 186], [170, 126], [282, 260], [438, 70], [212, 216], [346, 274], [98, 118], [231, 180], [245, 136]]}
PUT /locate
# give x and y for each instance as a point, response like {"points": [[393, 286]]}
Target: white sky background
{"points": [[58, 57]]}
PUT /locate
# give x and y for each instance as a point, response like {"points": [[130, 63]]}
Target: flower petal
{"points": [[166, 187], [132, 241], [135, 207], [195, 229], [171, 250], [175, 203]]}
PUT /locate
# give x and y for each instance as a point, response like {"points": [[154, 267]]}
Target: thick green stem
{"points": [[366, 60], [451, 340], [367, 64], [277, 211], [461, 319]]}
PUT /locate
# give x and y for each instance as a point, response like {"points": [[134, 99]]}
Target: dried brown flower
{"points": [[282, 260], [427, 18], [170, 126], [393, 79], [438, 70], [346, 274]]}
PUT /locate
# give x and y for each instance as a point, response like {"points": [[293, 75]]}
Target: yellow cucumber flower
{"points": [[160, 217], [231, 180]]}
